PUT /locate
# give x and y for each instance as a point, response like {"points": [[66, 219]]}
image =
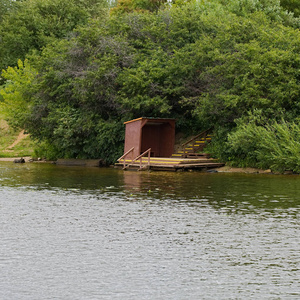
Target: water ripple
{"points": [[104, 234]]}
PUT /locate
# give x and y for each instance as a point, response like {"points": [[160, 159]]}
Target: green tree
{"points": [[34, 24], [292, 6], [277, 10], [15, 93], [73, 98], [5, 7], [129, 6], [210, 64]]}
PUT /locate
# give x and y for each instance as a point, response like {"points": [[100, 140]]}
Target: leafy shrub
{"points": [[275, 145]]}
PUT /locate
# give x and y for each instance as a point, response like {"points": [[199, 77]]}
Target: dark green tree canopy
{"points": [[32, 24], [292, 6]]}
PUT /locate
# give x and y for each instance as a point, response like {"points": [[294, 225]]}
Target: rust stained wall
{"points": [[133, 131]]}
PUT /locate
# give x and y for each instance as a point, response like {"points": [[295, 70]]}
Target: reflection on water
{"points": [[226, 191], [90, 233]]}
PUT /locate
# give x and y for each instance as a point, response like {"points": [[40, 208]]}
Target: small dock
{"points": [[150, 143], [168, 164]]}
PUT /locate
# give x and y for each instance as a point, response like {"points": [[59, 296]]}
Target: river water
{"points": [[101, 233]]}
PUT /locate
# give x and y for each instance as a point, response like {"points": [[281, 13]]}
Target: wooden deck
{"points": [[189, 156], [169, 164]]}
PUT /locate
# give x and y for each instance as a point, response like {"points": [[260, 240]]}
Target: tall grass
{"points": [[275, 146]]}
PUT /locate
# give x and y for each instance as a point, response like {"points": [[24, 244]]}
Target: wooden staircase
{"points": [[193, 148]]}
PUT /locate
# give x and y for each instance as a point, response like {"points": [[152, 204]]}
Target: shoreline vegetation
{"points": [[16, 138], [11, 140], [82, 68]]}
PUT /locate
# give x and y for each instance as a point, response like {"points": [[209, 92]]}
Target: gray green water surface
{"points": [[101, 233]]}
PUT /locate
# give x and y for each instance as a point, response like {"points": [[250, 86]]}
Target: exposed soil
{"points": [[20, 137], [13, 158], [3, 125], [228, 169]]}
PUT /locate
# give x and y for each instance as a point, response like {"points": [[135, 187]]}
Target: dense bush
{"points": [[31, 25], [275, 145]]}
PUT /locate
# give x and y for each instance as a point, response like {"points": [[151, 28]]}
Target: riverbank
{"points": [[27, 159], [229, 169], [224, 169], [14, 143]]}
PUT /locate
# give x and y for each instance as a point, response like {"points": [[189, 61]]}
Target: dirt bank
{"points": [[13, 158], [228, 169]]}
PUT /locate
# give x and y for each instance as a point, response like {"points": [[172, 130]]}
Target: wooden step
{"points": [[198, 155]]}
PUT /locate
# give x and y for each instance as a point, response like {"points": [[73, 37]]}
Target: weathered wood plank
{"points": [[80, 162]]}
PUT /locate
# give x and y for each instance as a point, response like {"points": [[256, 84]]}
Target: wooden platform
{"points": [[170, 164]]}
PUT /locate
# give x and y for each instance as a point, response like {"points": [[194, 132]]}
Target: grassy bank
{"points": [[14, 143]]}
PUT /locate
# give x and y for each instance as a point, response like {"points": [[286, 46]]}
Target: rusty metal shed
{"points": [[145, 133]]}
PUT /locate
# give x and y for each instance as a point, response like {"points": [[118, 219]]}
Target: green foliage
{"points": [[73, 98], [244, 66], [47, 150], [34, 23], [129, 6], [5, 7], [292, 6], [214, 65], [275, 146], [15, 100], [276, 10]]}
